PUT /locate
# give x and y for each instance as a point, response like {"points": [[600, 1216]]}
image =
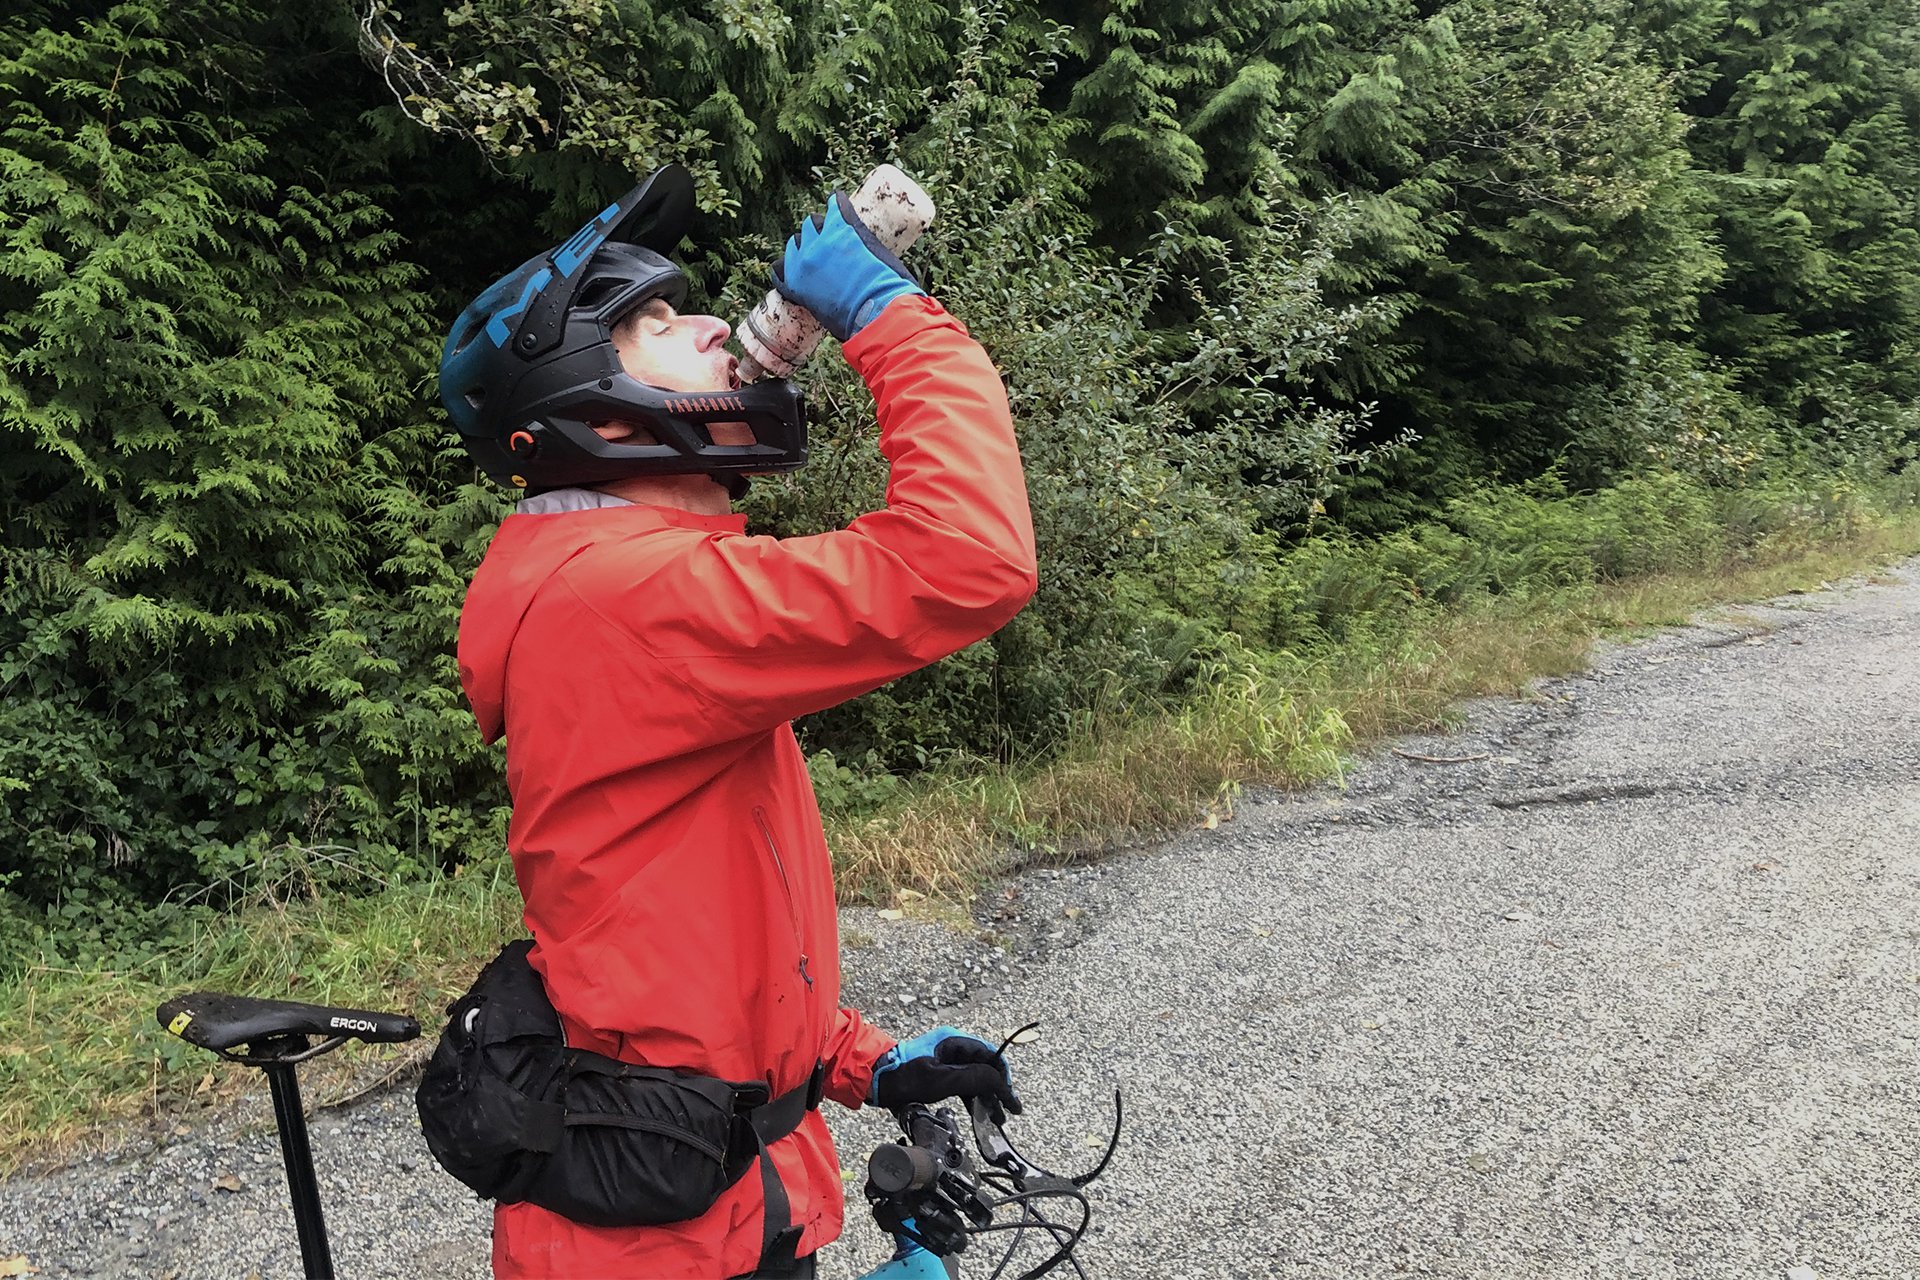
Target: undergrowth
{"points": [[1347, 642]]}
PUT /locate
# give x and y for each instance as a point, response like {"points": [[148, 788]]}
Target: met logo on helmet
{"points": [[498, 327], [566, 259], [570, 255]]}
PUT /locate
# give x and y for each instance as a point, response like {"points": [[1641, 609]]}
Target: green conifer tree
{"points": [[1809, 119], [224, 588]]}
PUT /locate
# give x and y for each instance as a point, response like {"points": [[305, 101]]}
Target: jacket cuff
{"points": [[906, 315], [852, 1050]]}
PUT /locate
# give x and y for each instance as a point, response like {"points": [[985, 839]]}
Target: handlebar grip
{"points": [[896, 1168]]}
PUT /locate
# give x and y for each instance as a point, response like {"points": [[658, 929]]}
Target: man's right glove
{"points": [[943, 1063], [837, 268]]}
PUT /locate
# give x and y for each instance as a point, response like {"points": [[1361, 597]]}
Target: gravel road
{"points": [[1633, 992]]}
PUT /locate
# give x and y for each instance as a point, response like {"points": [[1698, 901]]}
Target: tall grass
{"points": [[1291, 720], [79, 1045]]}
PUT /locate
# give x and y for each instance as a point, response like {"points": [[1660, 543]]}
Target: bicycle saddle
{"points": [[217, 1021]]}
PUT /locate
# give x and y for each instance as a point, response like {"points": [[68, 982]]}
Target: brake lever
{"points": [[998, 1150], [994, 1145]]}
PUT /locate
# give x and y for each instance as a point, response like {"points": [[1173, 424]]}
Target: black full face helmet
{"points": [[530, 365]]}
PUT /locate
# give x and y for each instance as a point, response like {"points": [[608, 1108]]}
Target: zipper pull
{"points": [[803, 971]]}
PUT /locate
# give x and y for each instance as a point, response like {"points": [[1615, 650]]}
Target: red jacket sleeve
{"points": [[853, 1046], [769, 629]]}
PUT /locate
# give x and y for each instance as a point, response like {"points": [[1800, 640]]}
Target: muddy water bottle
{"points": [[779, 335]]}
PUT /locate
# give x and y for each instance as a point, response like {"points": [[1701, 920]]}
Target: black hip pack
{"points": [[514, 1113]]}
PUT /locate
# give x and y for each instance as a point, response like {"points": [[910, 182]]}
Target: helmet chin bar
{"points": [[564, 446]]}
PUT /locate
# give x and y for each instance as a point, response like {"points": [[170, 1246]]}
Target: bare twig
{"points": [[410, 77], [1414, 755]]}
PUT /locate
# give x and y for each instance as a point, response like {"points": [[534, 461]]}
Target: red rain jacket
{"points": [[643, 664]]}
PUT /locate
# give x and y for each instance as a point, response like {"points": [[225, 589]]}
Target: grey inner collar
{"points": [[557, 501]]}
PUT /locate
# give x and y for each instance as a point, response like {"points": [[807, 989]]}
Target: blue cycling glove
{"points": [[943, 1063], [837, 268]]}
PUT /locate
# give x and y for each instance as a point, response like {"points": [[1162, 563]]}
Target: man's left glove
{"points": [[943, 1063], [836, 267]]}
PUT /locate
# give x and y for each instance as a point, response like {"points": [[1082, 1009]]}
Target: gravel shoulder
{"points": [[1633, 991]]}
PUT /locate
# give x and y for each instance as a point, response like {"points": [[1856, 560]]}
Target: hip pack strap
{"points": [[775, 1120], [779, 1236]]}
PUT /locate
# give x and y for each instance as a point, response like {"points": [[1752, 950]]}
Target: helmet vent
{"points": [[477, 397], [467, 334], [597, 292]]}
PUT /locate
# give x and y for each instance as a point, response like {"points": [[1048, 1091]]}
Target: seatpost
{"points": [[302, 1188]]}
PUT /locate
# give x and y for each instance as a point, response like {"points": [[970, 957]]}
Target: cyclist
{"points": [[643, 656]]}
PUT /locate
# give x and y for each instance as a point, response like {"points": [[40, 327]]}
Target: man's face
{"points": [[662, 348]]}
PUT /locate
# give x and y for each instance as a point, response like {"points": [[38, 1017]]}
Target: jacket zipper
{"points": [[793, 908]]}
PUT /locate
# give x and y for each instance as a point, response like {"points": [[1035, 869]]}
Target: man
{"points": [[643, 658]]}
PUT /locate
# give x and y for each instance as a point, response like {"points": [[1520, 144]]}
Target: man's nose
{"points": [[712, 332]]}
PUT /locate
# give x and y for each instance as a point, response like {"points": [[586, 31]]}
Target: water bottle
{"points": [[779, 335]]}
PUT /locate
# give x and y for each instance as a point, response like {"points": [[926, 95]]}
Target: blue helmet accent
{"points": [[497, 327], [530, 364]]}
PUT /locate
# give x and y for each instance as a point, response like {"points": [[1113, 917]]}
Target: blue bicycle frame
{"points": [[911, 1261]]}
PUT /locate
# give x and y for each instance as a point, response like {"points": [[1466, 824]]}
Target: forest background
{"points": [[1326, 325]]}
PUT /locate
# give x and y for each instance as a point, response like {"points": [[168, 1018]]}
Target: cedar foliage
{"points": [[225, 594], [1260, 274]]}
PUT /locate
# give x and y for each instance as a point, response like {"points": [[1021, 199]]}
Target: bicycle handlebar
{"points": [[928, 1192]]}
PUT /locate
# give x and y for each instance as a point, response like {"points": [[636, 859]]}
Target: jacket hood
{"points": [[523, 557], [526, 554]]}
